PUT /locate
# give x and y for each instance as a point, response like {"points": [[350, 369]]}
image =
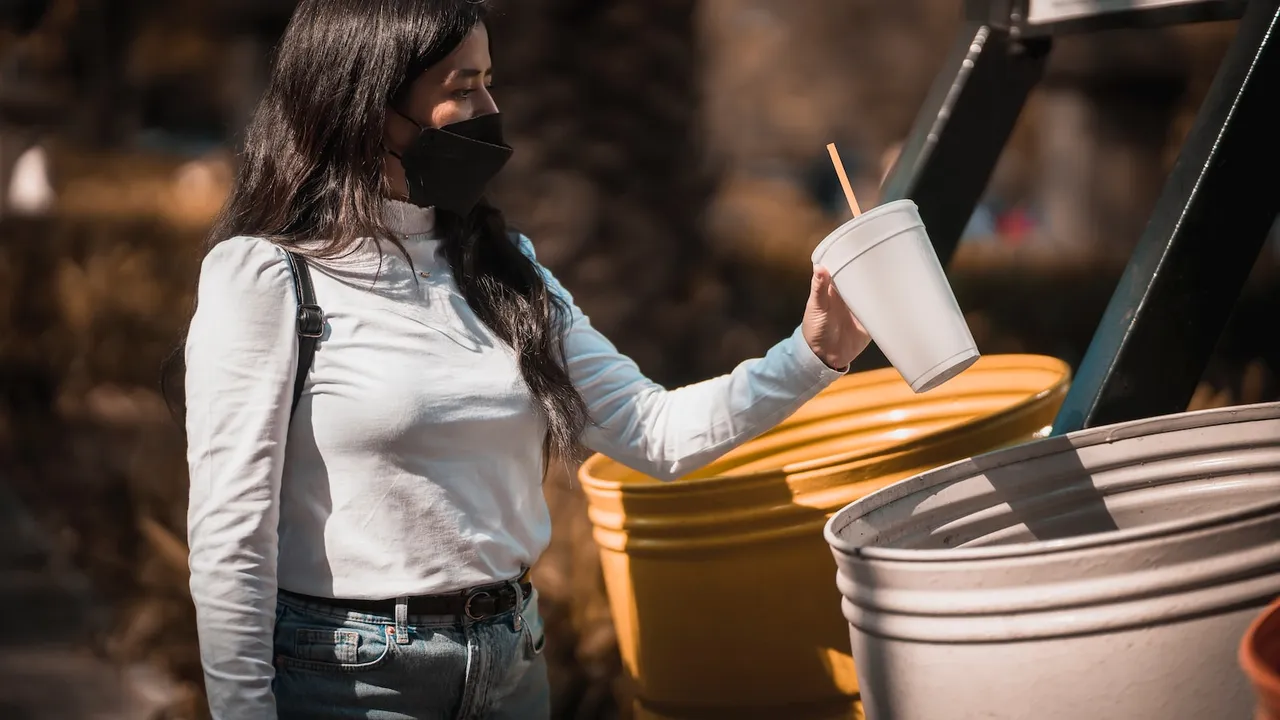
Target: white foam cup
{"points": [[885, 269]]}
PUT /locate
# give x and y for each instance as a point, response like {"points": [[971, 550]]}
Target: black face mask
{"points": [[449, 167]]}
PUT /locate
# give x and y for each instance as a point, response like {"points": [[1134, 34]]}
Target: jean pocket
{"points": [[535, 632], [322, 643], [535, 642]]}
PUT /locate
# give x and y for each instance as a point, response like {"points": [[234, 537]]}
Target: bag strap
{"points": [[310, 321]]}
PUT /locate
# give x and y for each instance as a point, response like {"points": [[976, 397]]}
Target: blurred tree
{"points": [[22, 16], [601, 102], [1108, 103]]}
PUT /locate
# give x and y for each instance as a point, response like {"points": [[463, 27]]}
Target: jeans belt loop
{"points": [[402, 620], [517, 617]]}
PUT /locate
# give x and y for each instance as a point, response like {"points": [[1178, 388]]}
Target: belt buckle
{"points": [[466, 606]]}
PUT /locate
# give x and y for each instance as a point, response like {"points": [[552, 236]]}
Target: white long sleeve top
{"points": [[414, 462]]}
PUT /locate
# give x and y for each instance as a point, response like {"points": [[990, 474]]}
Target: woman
{"points": [[365, 554]]}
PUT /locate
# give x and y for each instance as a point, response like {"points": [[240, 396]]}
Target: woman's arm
{"points": [[669, 433], [240, 357]]}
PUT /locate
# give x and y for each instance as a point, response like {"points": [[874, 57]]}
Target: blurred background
{"points": [[671, 168]]}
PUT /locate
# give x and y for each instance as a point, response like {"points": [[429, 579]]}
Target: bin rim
{"points": [[1040, 448], [879, 376]]}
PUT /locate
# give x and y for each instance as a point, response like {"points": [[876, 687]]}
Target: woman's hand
{"points": [[831, 330]]}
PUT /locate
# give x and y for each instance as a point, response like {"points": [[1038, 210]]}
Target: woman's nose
{"points": [[485, 104]]}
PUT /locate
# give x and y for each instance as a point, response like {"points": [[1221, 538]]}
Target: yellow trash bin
{"points": [[720, 583]]}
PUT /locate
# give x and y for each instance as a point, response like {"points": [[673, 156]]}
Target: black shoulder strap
{"points": [[310, 321]]}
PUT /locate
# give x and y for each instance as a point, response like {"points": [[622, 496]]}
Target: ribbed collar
{"points": [[407, 219]]}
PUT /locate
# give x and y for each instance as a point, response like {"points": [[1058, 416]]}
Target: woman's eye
{"points": [[466, 93]]}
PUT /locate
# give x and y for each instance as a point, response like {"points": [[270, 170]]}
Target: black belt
{"points": [[478, 603]]}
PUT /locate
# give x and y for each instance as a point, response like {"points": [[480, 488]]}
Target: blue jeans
{"points": [[341, 664]]}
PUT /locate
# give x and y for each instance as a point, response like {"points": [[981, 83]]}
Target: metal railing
{"points": [[1206, 230]]}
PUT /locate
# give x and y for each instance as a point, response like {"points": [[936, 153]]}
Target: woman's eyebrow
{"points": [[466, 74]]}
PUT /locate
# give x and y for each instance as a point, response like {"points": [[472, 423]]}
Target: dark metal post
{"points": [[962, 128], [1193, 259]]}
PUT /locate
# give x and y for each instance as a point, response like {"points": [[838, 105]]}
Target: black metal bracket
{"points": [[1034, 18], [947, 158], [1193, 259], [1177, 293]]}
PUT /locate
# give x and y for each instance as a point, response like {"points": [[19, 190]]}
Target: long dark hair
{"points": [[312, 171]]}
